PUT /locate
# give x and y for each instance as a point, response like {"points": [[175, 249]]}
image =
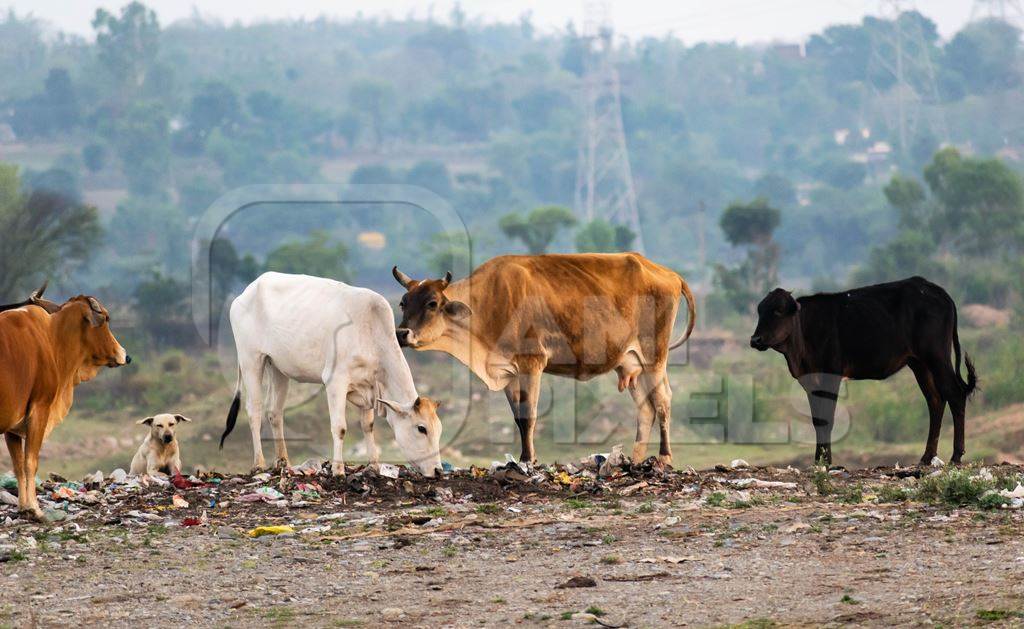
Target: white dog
{"points": [[159, 450]]}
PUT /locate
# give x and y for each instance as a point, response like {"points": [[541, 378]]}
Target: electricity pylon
{"points": [[903, 53], [604, 178], [1006, 10]]}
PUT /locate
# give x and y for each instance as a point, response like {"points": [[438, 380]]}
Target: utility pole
{"points": [[1009, 11], [903, 53], [604, 177]]}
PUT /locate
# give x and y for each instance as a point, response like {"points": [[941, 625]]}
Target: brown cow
{"points": [[42, 358], [570, 315]]}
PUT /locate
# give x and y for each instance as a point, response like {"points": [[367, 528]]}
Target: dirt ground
{"points": [[643, 548]]}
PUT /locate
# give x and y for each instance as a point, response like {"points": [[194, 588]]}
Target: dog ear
{"points": [[182, 418], [148, 421]]}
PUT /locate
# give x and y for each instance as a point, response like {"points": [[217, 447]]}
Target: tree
{"points": [[432, 175], [215, 105], [750, 223], [127, 44], [600, 236], [44, 234], [448, 251], [538, 229], [314, 256], [980, 202], [371, 97], [61, 100], [143, 144], [373, 173], [776, 189], [750, 226], [986, 56], [908, 197], [160, 303]]}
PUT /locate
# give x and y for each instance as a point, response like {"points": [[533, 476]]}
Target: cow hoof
{"points": [[282, 464], [665, 459], [33, 513], [337, 469]]}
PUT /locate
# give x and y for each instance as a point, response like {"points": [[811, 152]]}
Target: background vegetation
{"points": [[754, 165]]}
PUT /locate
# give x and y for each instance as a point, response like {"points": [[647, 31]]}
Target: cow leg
{"points": [[337, 394], [822, 395], [645, 415], [35, 430], [252, 381], [366, 423], [951, 389], [278, 396], [936, 407], [16, 447], [523, 394], [661, 401]]}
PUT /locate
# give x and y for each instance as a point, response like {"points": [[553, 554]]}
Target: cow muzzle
{"points": [[758, 343], [405, 337]]}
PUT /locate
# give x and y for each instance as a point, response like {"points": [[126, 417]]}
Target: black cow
{"points": [[870, 333]]}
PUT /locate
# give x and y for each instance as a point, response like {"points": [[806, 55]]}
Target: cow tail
{"points": [[233, 411], [972, 376], [691, 310]]}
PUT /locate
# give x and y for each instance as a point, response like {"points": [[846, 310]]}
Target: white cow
{"points": [[311, 329]]}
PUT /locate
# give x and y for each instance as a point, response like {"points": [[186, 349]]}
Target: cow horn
{"points": [[402, 278], [447, 279], [39, 292]]}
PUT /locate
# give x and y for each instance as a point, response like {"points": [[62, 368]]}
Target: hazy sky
{"points": [[692, 20]]}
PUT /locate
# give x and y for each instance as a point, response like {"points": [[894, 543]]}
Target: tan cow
{"points": [[516, 317], [42, 358]]}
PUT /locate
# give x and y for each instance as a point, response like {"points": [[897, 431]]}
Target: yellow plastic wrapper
{"points": [[260, 531]]}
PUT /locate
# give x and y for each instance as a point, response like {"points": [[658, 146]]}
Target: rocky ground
{"points": [[636, 546]]}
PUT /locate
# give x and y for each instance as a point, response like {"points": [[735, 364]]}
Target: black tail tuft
{"points": [[232, 417], [972, 377]]}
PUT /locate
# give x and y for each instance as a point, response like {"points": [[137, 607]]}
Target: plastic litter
{"points": [[178, 502], [387, 470], [736, 463], [280, 529]]}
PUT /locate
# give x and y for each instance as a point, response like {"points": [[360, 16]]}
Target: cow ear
{"points": [[797, 306], [148, 421], [385, 405], [182, 418], [457, 310]]}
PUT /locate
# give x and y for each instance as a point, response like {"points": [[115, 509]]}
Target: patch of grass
{"points": [[449, 550], [609, 539], [488, 507], [595, 610], [279, 615], [646, 507], [954, 487], [854, 494], [611, 560], [566, 615], [823, 482], [498, 600], [993, 615], [436, 512], [16, 555], [577, 503], [715, 500], [893, 493], [849, 600], [993, 501]]}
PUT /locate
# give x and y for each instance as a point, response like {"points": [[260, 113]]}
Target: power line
{"points": [[604, 177], [903, 52]]}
